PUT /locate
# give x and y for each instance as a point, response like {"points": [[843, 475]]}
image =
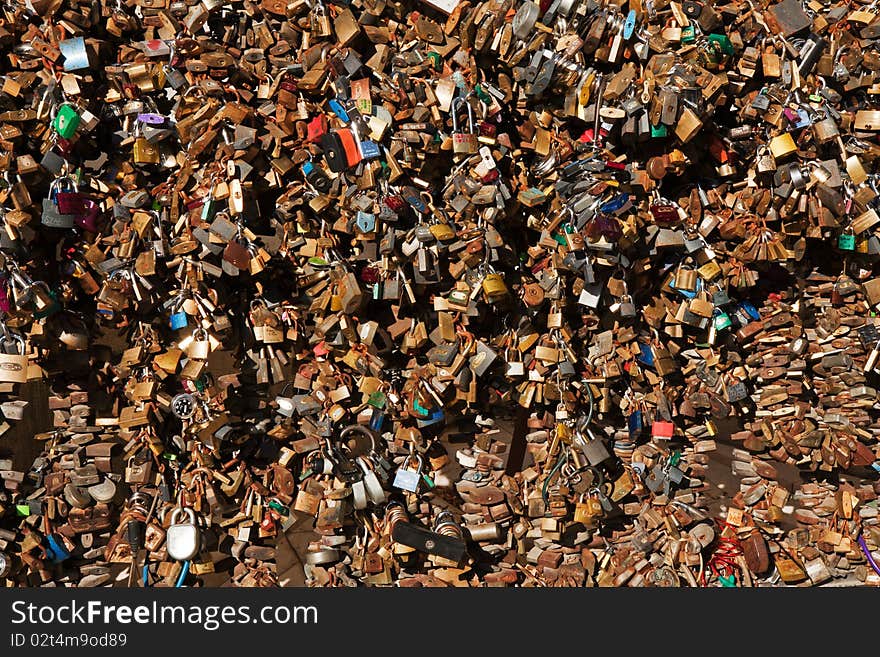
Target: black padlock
{"points": [[692, 9], [424, 540], [319, 179], [334, 152]]}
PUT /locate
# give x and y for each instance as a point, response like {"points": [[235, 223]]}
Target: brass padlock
{"points": [[782, 146], [200, 346], [138, 472], [771, 64], [144, 152], [494, 287]]}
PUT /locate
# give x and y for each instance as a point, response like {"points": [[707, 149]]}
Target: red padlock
{"points": [[662, 429], [317, 128]]}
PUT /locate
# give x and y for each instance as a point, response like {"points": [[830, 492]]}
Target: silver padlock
{"points": [[182, 541], [407, 479]]}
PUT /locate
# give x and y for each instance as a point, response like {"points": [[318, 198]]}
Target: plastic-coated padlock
{"points": [[66, 120], [178, 320]]}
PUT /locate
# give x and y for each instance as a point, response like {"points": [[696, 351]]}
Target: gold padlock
{"points": [[588, 511], [781, 146], [494, 287], [145, 152]]}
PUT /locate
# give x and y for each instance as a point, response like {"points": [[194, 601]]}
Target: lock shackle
{"points": [[62, 184], [357, 428], [197, 88], [56, 107], [9, 338], [456, 103], [181, 510]]}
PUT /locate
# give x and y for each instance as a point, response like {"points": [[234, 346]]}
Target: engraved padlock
{"points": [[825, 130], [463, 142], [407, 479], [13, 359], [182, 540], [52, 216]]}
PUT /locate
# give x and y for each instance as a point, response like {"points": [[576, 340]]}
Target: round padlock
{"points": [[104, 491], [703, 534]]}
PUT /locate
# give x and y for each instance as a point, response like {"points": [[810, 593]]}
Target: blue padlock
{"points": [[376, 420], [635, 424], [750, 310], [434, 418], [614, 204], [366, 221], [629, 25], [55, 550], [414, 200], [370, 150], [338, 109], [178, 320]]}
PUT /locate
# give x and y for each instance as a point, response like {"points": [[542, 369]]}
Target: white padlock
{"points": [[182, 541]]}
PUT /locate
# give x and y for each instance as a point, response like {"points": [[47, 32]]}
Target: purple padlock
{"points": [[88, 220], [70, 203], [151, 119], [4, 298]]}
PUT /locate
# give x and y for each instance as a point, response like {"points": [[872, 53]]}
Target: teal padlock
{"points": [[847, 240], [721, 320], [66, 121]]}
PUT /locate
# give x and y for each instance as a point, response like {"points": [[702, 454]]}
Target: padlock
{"points": [[66, 120], [200, 346], [144, 152], [320, 21], [588, 510], [13, 359], [627, 308], [494, 287], [771, 64], [237, 253], [182, 538], [463, 142], [138, 473], [407, 479], [846, 241]]}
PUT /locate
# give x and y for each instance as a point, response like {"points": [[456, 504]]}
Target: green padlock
{"points": [[66, 121], [846, 241]]}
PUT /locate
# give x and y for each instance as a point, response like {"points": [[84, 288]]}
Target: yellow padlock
{"points": [[782, 146], [442, 232], [494, 287]]}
